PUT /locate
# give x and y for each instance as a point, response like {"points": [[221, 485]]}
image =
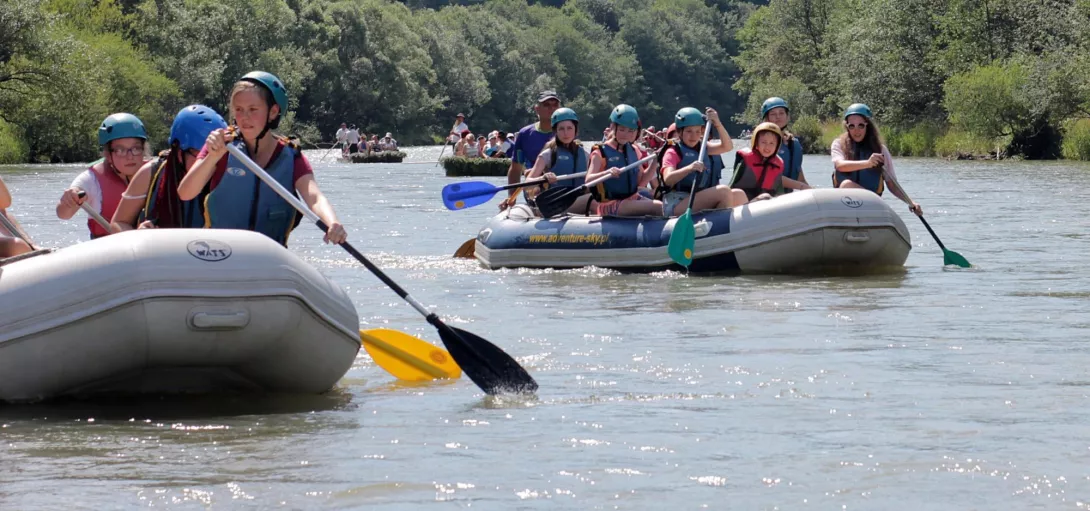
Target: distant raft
{"points": [[458, 166], [171, 311], [379, 157], [799, 233]]}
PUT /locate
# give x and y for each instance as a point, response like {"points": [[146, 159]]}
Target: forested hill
{"points": [[1002, 71]]}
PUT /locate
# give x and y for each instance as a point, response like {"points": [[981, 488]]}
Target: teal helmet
{"points": [[563, 114], [771, 103], [275, 86], [858, 109], [689, 116], [625, 115], [121, 126]]}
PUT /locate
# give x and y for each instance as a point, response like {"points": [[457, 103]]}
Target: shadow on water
{"points": [[126, 407]]}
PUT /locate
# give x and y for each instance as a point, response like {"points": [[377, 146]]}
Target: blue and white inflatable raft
{"points": [[802, 232]]}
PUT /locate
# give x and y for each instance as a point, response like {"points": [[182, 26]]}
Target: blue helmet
{"points": [[858, 109], [625, 115], [192, 126], [121, 126], [275, 86], [563, 114], [689, 116], [771, 103]]}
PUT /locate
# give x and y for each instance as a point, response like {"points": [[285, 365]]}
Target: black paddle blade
{"points": [[492, 369], [557, 200]]}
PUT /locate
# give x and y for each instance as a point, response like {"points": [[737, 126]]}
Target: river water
{"points": [[929, 389]]}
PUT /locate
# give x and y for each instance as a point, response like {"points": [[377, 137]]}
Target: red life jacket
{"points": [[113, 187], [759, 175]]}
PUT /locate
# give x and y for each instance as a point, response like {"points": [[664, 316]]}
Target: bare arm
{"points": [[202, 169], [315, 199], [5, 196], [597, 166], [128, 210], [539, 167]]}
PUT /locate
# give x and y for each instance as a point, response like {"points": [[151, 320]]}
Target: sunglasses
{"points": [[857, 126]]}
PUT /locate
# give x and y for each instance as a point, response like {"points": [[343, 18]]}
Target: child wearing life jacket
{"points": [[775, 110], [564, 155], [758, 169], [236, 198], [620, 195], [10, 243], [680, 166], [151, 200], [123, 140]]}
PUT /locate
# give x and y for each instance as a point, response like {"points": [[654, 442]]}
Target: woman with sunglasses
{"points": [[860, 158], [151, 200], [123, 140]]}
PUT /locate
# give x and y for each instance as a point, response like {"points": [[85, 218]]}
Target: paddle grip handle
{"points": [[99, 219]]}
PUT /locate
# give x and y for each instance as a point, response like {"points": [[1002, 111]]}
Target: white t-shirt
{"points": [[461, 127], [342, 135], [353, 136], [837, 154], [86, 181]]}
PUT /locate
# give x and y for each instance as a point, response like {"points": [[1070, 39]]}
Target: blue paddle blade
{"points": [[468, 194]]}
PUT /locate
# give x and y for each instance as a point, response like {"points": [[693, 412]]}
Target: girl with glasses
{"points": [[860, 158], [123, 140]]}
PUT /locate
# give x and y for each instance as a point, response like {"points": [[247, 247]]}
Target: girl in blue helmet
{"points": [[151, 200], [236, 198], [681, 166], [564, 155], [124, 144], [860, 158], [620, 195]]}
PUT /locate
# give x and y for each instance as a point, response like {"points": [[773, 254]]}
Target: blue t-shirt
{"points": [[528, 144], [791, 154]]}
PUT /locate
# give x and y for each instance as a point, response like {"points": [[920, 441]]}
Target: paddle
{"points": [[9, 224], [99, 219], [467, 194], [555, 201], [407, 357], [445, 144], [488, 366], [949, 257], [329, 151], [467, 250], [683, 237]]}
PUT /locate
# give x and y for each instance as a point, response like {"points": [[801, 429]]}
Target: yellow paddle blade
{"points": [[407, 357], [467, 249]]}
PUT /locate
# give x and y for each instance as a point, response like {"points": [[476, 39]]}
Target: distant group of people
{"points": [[770, 166], [496, 145], [351, 141]]}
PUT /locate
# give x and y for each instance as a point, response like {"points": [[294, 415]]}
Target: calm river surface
{"points": [[932, 389]]}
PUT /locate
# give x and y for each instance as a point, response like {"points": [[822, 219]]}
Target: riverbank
{"points": [[931, 141]]}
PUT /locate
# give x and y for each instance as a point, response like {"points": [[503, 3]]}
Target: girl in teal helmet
{"points": [[775, 110], [124, 145], [151, 200], [564, 155], [681, 166], [235, 198], [620, 195], [861, 159]]}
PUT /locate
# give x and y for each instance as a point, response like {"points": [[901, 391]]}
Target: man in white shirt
{"points": [[459, 128], [342, 138], [353, 140]]}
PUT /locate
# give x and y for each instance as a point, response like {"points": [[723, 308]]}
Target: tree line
{"points": [[1010, 72]]}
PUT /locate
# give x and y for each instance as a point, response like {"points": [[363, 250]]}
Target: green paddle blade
{"points": [[950, 257], [682, 239]]}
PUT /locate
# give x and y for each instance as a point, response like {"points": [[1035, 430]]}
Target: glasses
{"points": [[859, 126], [132, 152]]}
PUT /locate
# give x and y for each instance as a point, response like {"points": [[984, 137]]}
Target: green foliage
{"points": [[808, 129], [1076, 142], [458, 166], [955, 143], [379, 157], [918, 140], [12, 147], [989, 99]]}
